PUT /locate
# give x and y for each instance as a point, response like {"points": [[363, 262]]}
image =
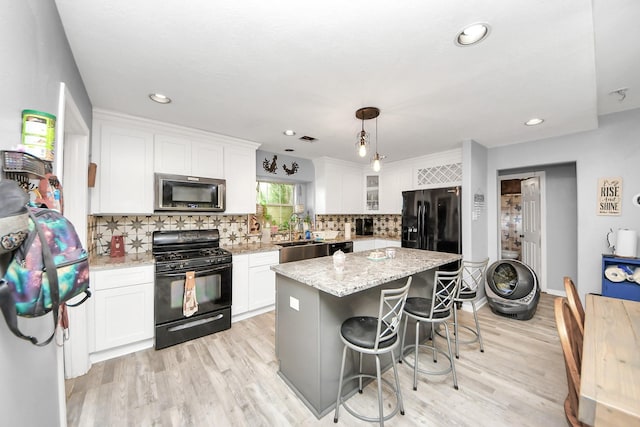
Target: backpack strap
{"points": [[52, 275], [8, 308]]}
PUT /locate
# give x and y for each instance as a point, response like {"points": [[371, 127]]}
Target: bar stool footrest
{"points": [[431, 348], [454, 338], [386, 382]]}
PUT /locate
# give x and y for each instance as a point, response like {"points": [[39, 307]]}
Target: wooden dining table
{"points": [[610, 373]]}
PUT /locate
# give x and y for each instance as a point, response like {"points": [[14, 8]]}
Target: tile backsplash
{"points": [[137, 230], [383, 225]]}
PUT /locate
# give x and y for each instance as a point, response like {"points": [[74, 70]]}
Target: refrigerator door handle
{"points": [[419, 230], [424, 231], [423, 236]]}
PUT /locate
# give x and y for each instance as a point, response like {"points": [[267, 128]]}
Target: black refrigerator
{"points": [[431, 220]]}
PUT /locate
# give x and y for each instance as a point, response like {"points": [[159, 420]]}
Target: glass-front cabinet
{"points": [[373, 192]]}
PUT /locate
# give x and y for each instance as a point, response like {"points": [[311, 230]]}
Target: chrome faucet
{"points": [[292, 220]]}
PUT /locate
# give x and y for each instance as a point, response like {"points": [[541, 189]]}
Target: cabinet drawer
{"points": [[264, 258], [119, 277]]}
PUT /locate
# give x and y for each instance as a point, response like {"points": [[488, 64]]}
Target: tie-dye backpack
{"points": [[41, 277]]}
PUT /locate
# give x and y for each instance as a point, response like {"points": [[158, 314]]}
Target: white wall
{"points": [[35, 58], [562, 224], [474, 228], [305, 173], [474, 172], [609, 151]]}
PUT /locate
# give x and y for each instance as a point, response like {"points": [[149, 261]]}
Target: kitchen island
{"points": [[312, 301]]}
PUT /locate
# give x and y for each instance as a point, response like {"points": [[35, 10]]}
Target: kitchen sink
{"points": [[302, 249], [296, 243]]}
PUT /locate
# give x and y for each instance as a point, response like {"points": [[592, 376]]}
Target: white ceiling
{"points": [[253, 68]]}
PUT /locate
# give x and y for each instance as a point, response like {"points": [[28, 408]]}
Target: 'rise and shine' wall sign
{"points": [[609, 196]]}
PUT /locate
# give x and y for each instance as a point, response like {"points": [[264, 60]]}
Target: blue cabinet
{"points": [[619, 267]]}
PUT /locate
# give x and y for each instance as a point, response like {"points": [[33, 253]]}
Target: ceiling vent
{"points": [[307, 138]]}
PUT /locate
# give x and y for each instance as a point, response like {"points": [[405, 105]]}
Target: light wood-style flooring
{"points": [[230, 379]]}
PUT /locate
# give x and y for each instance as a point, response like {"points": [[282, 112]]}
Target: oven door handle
{"points": [[198, 272]]}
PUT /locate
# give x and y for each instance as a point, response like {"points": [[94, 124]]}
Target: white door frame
{"points": [[543, 219], [71, 168]]}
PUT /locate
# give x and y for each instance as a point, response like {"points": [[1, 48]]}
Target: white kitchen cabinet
{"points": [[372, 193], [128, 150], [122, 310], [171, 155], [207, 159], [182, 156], [364, 245], [352, 196], [262, 281], [393, 181], [240, 288], [387, 243], [372, 244], [262, 287], [240, 174], [124, 179], [254, 284], [339, 187]]}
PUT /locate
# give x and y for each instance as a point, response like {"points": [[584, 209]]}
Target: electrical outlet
{"points": [[294, 303]]}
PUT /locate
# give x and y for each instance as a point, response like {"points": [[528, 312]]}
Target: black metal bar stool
{"points": [[374, 335], [435, 309]]}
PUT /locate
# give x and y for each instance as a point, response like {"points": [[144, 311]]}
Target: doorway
{"points": [[71, 166], [522, 225], [558, 218]]}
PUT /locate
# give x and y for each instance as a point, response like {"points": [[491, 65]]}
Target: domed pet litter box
{"points": [[512, 289]]}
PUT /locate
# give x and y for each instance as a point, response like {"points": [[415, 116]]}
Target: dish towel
{"points": [[190, 303]]}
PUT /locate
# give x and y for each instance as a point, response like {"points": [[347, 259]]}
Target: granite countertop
{"points": [[361, 273], [104, 262], [131, 260], [274, 245], [251, 248]]}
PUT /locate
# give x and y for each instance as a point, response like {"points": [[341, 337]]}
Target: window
{"points": [[277, 201]]}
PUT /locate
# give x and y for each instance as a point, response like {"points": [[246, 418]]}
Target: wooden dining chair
{"points": [[574, 302], [571, 341]]}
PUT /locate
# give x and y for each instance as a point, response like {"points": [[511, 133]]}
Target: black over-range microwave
{"points": [[180, 193]]}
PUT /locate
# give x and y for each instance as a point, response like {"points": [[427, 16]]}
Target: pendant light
{"points": [[363, 141], [375, 160], [363, 114]]}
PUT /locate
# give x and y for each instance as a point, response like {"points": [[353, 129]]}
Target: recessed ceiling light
{"points": [[289, 132], [159, 98], [289, 150], [473, 34], [534, 122]]}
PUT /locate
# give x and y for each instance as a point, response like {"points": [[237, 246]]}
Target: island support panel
{"points": [[308, 343]]}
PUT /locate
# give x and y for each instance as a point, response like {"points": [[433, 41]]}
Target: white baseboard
{"points": [[556, 292], [247, 314], [112, 353], [468, 307]]}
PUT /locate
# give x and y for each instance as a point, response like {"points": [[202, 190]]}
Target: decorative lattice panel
{"points": [[443, 174]]}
